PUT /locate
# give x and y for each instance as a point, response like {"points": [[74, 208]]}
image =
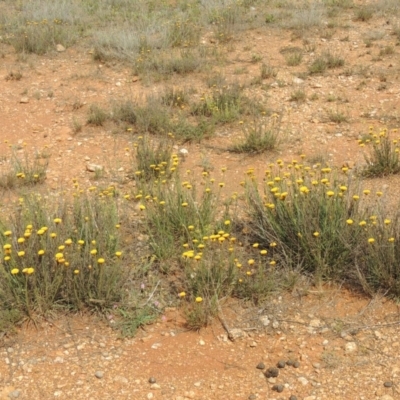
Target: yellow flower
{"points": [[93, 252], [199, 299], [221, 184], [81, 242], [250, 262], [355, 197], [118, 253], [330, 193], [93, 242], [366, 192], [57, 220], [263, 252], [7, 233], [227, 222], [58, 256], [142, 207], [391, 239], [21, 253], [30, 271], [248, 273], [68, 242], [362, 223], [184, 204], [117, 226], [304, 189], [349, 222], [182, 294], [7, 258], [53, 235], [7, 246], [21, 240], [40, 231], [100, 261], [14, 271], [27, 234], [61, 248], [387, 221], [255, 245], [379, 194], [316, 234], [76, 271], [273, 244], [371, 240], [343, 188], [40, 252], [191, 227]]}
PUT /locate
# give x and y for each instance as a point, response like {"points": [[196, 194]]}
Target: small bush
{"points": [[299, 96], [383, 158], [97, 116], [294, 59], [124, 112], [267, 71], [62, 256], [258, 138], [364, 14]]}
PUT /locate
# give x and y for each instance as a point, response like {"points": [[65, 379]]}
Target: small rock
{"points": [[24, 100], [275, 324], [149, 396], [388, 384], [99, 374], [59, 360], [265, 320], [260, 365], [386, 397], [236, 333], [293, 397], [155, 386], [183, 153], [94, 167], [350, 347], [202, 342], [152, 379], [60, 48], [290, 363], [14, 394], [315, 323], [298, 81], [296, 364], [253, 344], [272, 372], [252, 397], [303, 380], [281, 364], [118, 84], [278, 388], [309, 398], [120, 379]]}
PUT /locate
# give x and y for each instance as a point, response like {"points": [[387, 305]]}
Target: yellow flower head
{"points": [[263, 252], [255, 245], [316, 234], [371, 240], [182, 294], [355, 197], [387, 221], [21, 240], [199, 299], [14, 271], [366, 192], [57, 220], [68, 242], [273, 244], [100, 261], [21, 253], [362, 223], [330, 193], [118, 253], [76, 271], [93, 252], [391, 239], [7, 246], [7, 233], [349, 222], [184, 204], [40, 252], [250, 262]]}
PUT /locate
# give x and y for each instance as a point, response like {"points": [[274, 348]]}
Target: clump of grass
{"points": [[258, 138], [124, 112], [67, 256], [14, 76], [383, 158], [338, 117], [325, 61], [96, 116], [294, 58], [23, 171], [364, 14], [223, 105], [153, 157], [174, 97], [386, 51], [152, 117], [267, 71], [298, 96]]}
